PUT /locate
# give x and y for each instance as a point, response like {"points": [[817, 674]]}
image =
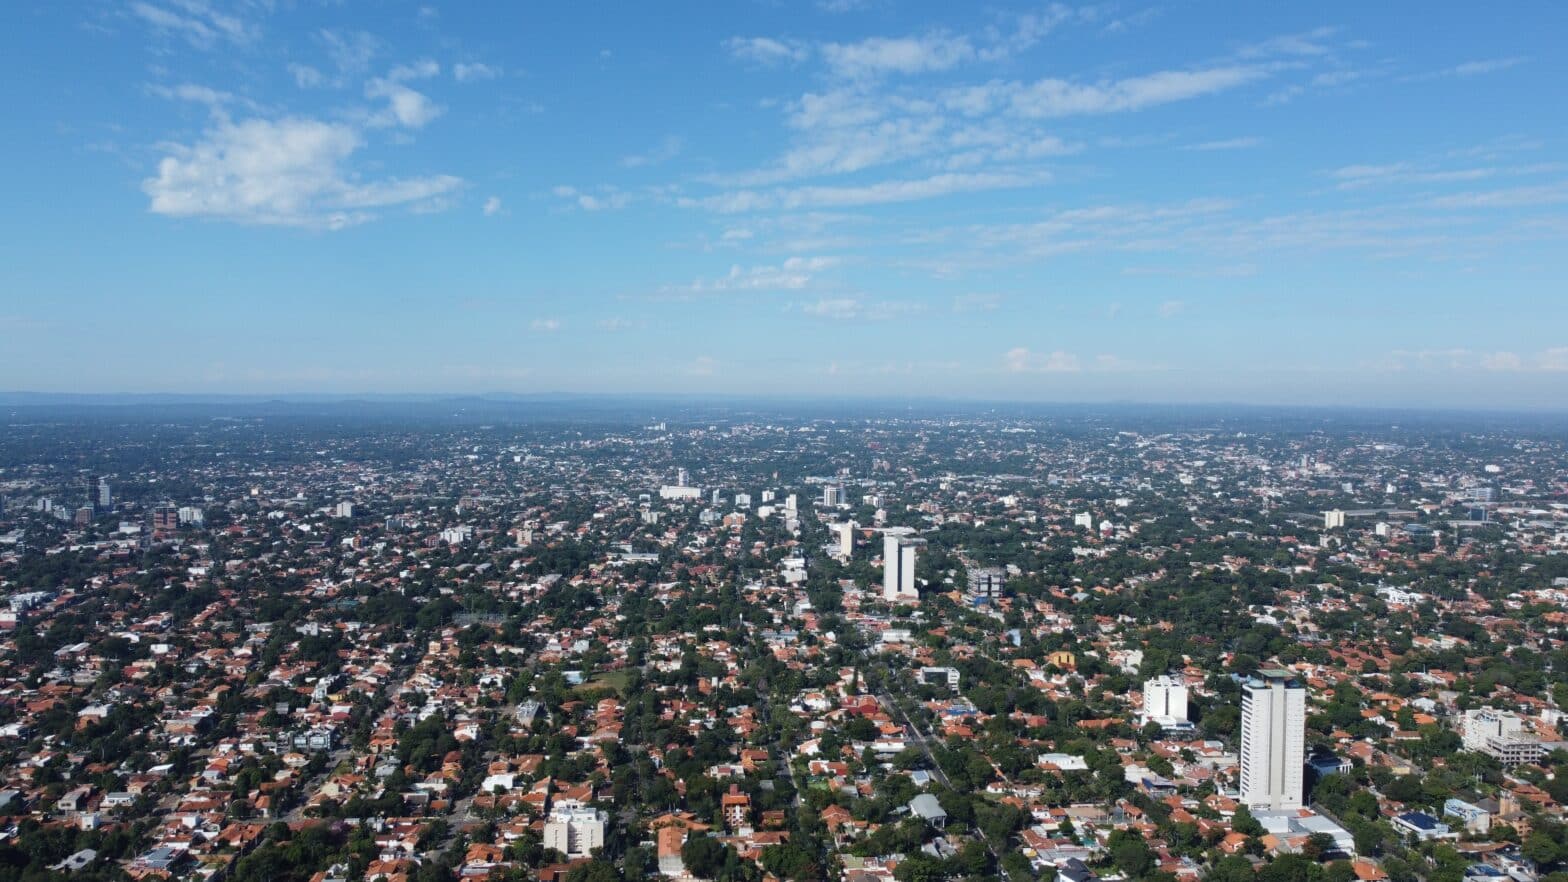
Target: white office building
{"points": [[898, 567], [1483, 723], [1273, 741], [575, 830], [1165, 701]]}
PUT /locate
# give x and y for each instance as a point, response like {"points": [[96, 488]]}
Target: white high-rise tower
{"points": [[846, 539], [898, 567], [1273, 741], [1165, 700]]}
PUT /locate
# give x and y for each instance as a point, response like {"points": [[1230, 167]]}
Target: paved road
{"points": [[924, 741]]}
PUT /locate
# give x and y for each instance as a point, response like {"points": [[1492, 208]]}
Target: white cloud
{"points": [[976, 302], [285, 172], [544, 325], [667, 148], [1244, 143], [1020, 360], [306, 77], [351, 51], [766, 50], [1475, 68], [1511, 197], [492, 206], [792, 275], [879, 193], [703, 366], [1502, 361], [423, 69], [405, 105], [833, 308], [196, 94], [603, 199], [1056, 97], [194, 20], [846, 308], [470, 73], [1486, 66], [1172, 308], [615, 324], [903, 55], [1306, 44], [1551, 360]]}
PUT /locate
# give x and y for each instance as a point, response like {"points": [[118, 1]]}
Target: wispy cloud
{"points": [[767, 50], [1476, 68], [1244, 143], [1022, 360], [667, 149], [792, 275], [851, 308], [471, 72], [976, 302], [903, 55], [196, 21], [545, 325], [604, 198], [880, 193]]}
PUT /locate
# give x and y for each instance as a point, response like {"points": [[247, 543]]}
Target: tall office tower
{"points": [[846, 539], [898, 567], [1165, 700], [1273, 741], [105, 498], [683, 478], [832, 496]]}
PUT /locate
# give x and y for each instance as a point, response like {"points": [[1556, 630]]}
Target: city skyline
{"points": [[1324, 205]]}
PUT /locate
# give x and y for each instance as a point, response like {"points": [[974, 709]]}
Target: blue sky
{"points": [[1287, 203]]}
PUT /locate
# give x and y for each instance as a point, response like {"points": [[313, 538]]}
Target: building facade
{"points": [[1273, 741]]}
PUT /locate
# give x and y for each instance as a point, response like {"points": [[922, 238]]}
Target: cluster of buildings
{"points": [[485, 651]]}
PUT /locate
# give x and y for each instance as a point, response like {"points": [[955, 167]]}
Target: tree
{"points": [[704, 856], [1130, 853], [1539, 847], [1244, 823]]}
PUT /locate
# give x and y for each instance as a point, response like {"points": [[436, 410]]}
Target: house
{"points": [[1422, 826], [929, 809]]}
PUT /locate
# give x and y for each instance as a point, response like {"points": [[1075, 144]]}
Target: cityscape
{"points": [[783, 441], [465, 640]]}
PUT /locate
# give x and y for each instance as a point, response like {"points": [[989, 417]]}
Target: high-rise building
{"points": [[1165, 700], [1273, 741], [683, 477], [832, 496], [846, 539], [105, 497], [1333, 519], [898, 567]]}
